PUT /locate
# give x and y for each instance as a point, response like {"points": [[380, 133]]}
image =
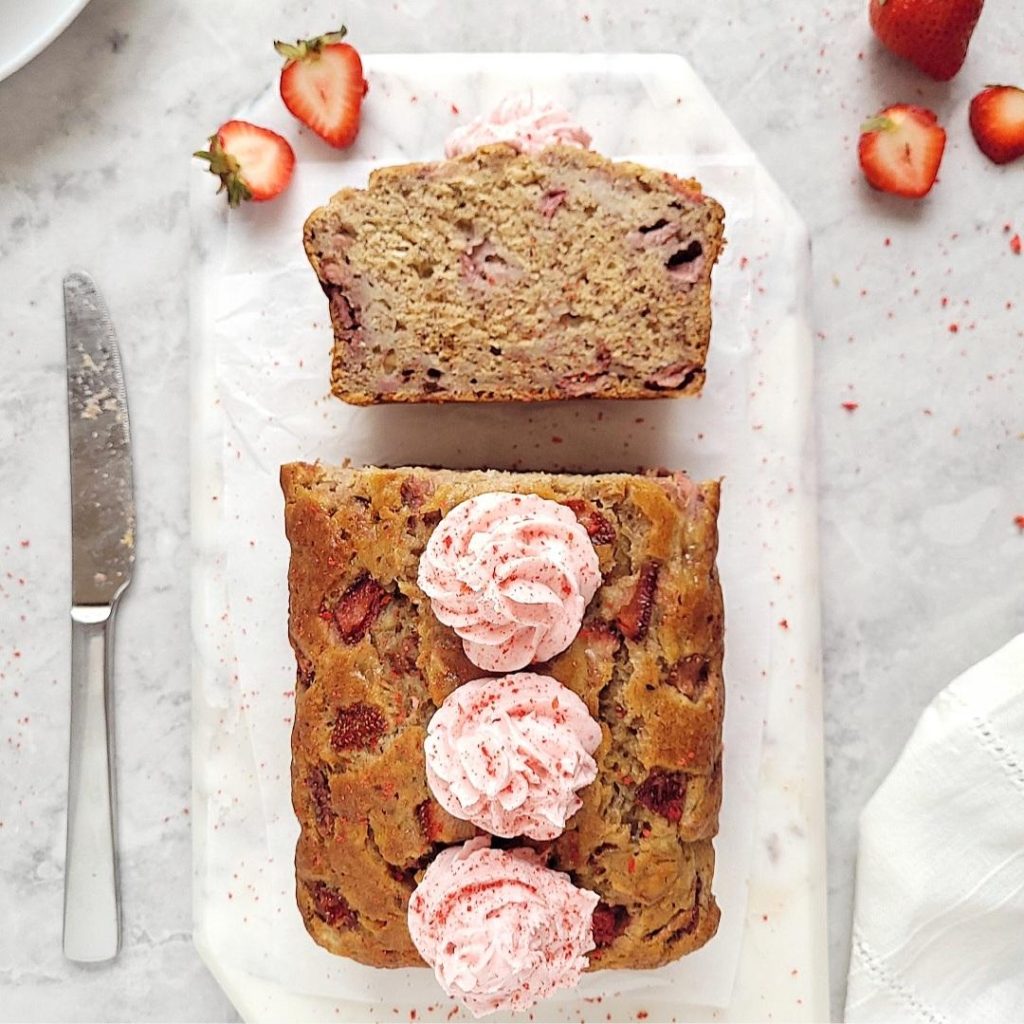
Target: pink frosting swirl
{"points": [[512, 574], [509, 753], [518, 120], [500, 930]]}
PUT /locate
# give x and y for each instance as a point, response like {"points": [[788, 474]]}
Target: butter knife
{"points": [[102, 555]]}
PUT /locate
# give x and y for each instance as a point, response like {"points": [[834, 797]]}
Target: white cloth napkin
{"points": [[938, 932]]}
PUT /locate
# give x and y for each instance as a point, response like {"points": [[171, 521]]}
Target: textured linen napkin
{"points": [[938, 932]]}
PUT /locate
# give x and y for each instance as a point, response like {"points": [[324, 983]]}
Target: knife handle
{"points": [[92, 925]]}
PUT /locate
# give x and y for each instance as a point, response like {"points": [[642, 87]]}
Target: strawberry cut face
{"points": [[258, 157], [322, 85], [251, 162], [997, 122], [900, 150]]}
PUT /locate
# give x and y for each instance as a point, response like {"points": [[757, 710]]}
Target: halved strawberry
{"points": [[251, 162], [322, 84], [997, 122], [900, 150]]}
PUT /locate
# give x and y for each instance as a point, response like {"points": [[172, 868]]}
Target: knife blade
{"points": [[102, 557], [102, 499]]}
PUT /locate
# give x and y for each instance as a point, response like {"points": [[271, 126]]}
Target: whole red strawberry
{"points": [[933, 34], [997, 122]]}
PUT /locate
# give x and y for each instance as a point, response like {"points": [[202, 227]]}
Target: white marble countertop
{"points": [[920, 481]]}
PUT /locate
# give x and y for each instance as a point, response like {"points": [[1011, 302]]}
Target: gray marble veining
{"points": [[920, 482]]}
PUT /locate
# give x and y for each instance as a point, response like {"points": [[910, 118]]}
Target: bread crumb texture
{"points": [[507, 276]]}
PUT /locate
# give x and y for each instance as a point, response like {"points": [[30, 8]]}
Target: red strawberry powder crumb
{"points": [[851, 406], [1015, 246], [1018, 521]]}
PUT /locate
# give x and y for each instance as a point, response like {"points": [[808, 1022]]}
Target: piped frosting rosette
{"points": [[512, 575], [510, 753], [521, 122], [499, 928]]}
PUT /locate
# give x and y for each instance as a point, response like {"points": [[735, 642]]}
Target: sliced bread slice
{"points": [[500, 275]]}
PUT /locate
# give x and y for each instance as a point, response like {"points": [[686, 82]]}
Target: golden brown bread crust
{"points": [[505, 276], [374, 663]]}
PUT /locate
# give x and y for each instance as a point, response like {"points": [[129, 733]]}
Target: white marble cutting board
{"points": [[259, 374]]}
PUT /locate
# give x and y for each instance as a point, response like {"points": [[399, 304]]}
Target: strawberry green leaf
{"points": [[304, 49]]}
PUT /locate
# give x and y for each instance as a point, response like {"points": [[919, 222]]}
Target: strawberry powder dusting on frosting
{"points": [[510, 753], [500, 930], [512, 575], [517, 120]]}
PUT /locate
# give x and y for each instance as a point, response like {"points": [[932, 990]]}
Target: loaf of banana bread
{"points": [[500, 275], [374, 664]]}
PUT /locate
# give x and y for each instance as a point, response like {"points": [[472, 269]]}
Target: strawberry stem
{"points": [[304, 49], [227, 168], [878, 124]]}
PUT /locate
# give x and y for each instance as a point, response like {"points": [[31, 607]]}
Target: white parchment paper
{"points": [[261, 387]]}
